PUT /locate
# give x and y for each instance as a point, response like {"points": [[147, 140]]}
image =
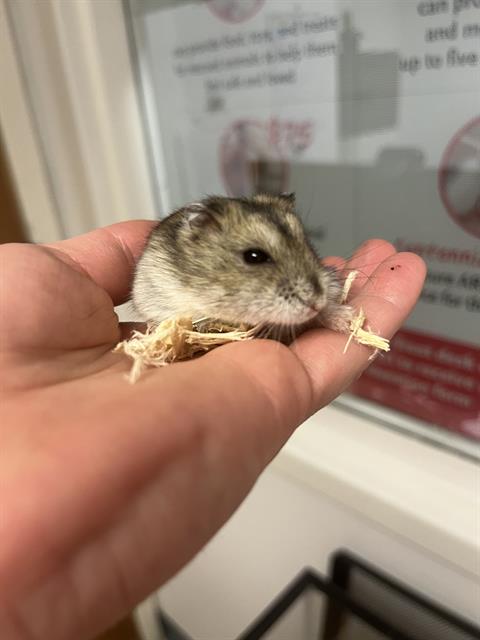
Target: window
{"points": [[370, 112]]}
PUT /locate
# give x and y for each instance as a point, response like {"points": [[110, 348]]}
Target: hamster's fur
{"points": [[238, 260]]}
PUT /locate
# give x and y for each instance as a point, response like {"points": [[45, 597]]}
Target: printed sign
{"points": [[459, 181], [370, 111]]}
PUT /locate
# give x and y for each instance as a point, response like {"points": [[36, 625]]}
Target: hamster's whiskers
{"points": [[285, 332]]}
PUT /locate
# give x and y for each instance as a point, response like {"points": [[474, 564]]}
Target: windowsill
{"points": [[422, 493]]}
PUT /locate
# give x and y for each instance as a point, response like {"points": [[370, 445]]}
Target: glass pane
{"points": [[370, 111]]}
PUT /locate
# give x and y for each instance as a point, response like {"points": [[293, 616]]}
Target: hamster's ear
{"points": [[197, 215], [288, 198], [194, 214]]}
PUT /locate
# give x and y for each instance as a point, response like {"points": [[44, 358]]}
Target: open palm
{"points": [[106, 488]]}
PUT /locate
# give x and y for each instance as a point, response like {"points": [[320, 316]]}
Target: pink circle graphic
{"points": [[249, 162], [235, 11], [459, 178]]}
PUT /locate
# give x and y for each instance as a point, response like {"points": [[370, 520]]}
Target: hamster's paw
{"points": [[337, 317]]}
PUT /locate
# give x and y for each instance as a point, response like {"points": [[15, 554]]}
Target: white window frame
{"points": [[75, 98]]}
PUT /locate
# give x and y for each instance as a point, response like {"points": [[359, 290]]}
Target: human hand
{"points": [[107, 488]]}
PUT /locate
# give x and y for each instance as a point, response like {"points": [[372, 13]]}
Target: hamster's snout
{"points": [[313, 305], [301, 299]]}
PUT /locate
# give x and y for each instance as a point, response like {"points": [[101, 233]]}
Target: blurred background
{"points": [[370, 111]]}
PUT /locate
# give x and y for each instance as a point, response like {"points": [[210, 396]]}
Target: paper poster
{"points": [[370, 111]]}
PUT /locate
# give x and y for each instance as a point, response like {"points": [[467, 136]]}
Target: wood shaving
{"points": [[363, 336], [177, 339], [183, 338], [347, 286], [357, 332]]}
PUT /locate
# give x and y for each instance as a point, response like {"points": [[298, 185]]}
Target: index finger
{"points": [[387, 299], [107, 255]]}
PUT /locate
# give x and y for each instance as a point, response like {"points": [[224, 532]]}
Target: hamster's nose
{"points": [[311, 303]]}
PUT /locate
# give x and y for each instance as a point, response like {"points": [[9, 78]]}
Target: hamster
{"points": [[239, 260]]}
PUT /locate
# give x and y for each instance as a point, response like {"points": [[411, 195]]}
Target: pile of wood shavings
{"points": [[177, 339], [182, 339]]}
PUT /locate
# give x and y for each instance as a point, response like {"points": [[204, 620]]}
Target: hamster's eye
{"points": [[256, 256]]}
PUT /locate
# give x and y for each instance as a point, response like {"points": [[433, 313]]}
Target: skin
{"points": [[107, 489]]}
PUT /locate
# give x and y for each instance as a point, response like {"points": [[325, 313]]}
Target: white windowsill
{"points": [[425, 494]]}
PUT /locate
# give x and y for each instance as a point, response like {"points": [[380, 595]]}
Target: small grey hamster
{"points": [[242, 260]]}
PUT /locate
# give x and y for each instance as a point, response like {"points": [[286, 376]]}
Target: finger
{"points": [[366, 256], [107, 255], [387, 298], [334, 261], [365, 261]]}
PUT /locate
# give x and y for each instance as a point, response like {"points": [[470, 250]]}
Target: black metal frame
{"points": [[344, 563], [344, 604], [340, 604], [170, 628]]}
